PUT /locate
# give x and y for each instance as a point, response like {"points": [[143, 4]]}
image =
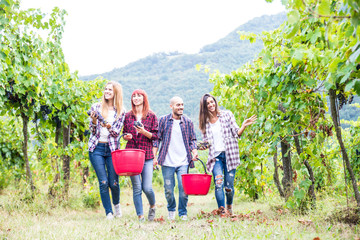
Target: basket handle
{"points": [[194, 162], [118, 144]]}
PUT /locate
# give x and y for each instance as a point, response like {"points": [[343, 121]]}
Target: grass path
{"points": [[40, 221]]}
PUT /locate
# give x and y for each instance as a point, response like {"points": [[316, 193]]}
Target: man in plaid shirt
{"points": [[178, 147]]}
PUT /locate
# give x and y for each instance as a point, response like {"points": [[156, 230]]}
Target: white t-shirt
{"points": [[176, 155], [219, 144], [104, 132]]}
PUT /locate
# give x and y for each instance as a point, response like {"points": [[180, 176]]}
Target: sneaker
{"points": [[142, 219], [171, 215], [151, 215], [184, 218], [109, 216], [118, 212]]}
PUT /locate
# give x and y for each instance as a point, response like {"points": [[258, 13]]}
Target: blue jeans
{"points": [[143, 182], [169, 185], [223, 179], [102, 162]]}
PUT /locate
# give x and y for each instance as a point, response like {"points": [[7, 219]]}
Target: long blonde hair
{"points": [[118, 100]]}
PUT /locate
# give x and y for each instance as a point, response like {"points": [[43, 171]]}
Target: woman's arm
{"points": [[93, 120], [247, 122], [116, 127]]}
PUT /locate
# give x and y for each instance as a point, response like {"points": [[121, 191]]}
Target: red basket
{"points": [[128, 162], [196, 183]]}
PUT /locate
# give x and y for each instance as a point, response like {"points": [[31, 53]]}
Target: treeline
{"points": [[163, 75]]}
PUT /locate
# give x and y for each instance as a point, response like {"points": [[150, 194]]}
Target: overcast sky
{"points": [[103, 35]]}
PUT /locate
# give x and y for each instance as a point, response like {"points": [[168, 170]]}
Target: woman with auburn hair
{"points": [[220, 129], [141, 127], [103, 140]]}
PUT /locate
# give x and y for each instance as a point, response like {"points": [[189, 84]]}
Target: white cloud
{"points": [[102, 35]]}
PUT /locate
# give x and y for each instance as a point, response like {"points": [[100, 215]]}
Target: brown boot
{"points": [[222, 212], [229, 209]]}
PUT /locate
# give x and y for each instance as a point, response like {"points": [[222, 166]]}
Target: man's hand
{"points": [[195, 155], [155, 162]]}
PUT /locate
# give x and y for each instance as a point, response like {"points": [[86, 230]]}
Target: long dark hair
{"points": [[204, 114]]}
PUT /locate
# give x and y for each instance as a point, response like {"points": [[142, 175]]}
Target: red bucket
{"points": [[128, 162], [196, 183]]}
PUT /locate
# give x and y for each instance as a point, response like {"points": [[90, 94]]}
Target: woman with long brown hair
{"points": [[220, 129], [141, 127], [103, 140]]}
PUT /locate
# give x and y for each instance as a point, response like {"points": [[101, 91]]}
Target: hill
{"points": [[163, 75]]}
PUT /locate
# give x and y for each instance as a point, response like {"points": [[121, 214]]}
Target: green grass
{"points": [[45, 219]]}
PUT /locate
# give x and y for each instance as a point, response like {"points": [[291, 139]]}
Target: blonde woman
{"points": [[103, 140]]}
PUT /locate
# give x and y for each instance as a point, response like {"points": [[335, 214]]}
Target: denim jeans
{"points": [[169, 185], [102, 162], [143, 182], [223, 178]]}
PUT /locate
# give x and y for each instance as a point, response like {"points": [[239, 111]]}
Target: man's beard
{"points": [[177, 114]]}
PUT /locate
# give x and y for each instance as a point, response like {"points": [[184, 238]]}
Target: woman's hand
{"points": [[140, 129], [249, 121], [94, 117], [128, 136]]}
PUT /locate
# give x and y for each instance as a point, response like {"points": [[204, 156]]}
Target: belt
{"points": [[102, 142]]}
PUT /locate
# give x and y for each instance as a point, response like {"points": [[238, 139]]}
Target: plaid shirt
{"points": [[114, 130], [164, 134], [142, 142], [230, 130]]}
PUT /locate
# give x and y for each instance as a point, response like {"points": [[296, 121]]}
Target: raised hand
{"points": [[249, 121]]}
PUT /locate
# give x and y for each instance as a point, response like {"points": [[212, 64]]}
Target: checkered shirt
{"points": [[164, 136], [229, 129], [142, 142], [114, 131]]}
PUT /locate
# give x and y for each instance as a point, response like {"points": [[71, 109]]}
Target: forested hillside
{"points": [[163, 75]]}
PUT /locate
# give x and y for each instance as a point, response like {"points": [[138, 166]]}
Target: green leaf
{"points": [[310, 82], [357, 87], [345, 77], [298, 54], [353, 58], [333, 66], [293, 17], [351, 84], [295, 28], [315, 36], [3, 55], [305, 183], [268, 126], [299, 4], [299, 194], [4, 2], [324, 8]]}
